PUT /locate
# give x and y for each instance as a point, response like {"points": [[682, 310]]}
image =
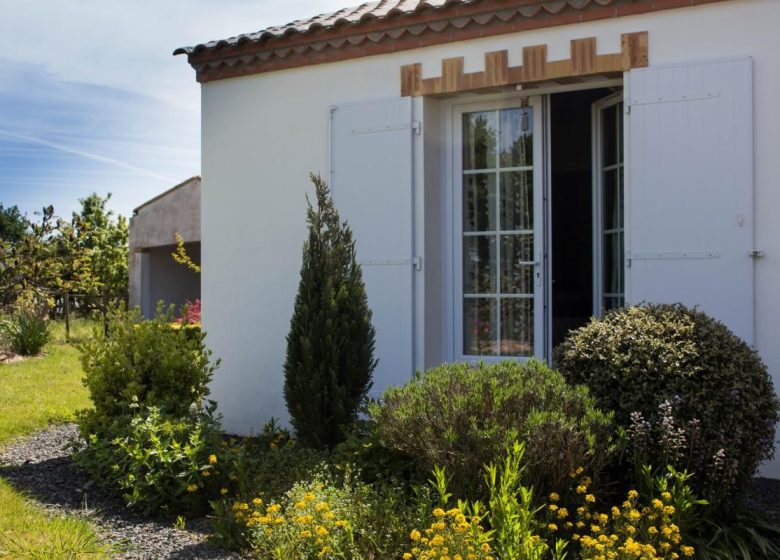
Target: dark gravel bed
{"points": [[764, 497], [40, 466]]}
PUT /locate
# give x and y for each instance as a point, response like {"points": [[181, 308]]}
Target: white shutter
{"points": [[689, 192], [372, 188]]}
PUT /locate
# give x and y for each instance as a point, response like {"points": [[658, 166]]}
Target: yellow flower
{"points": [[407, 556], [552, 527], [581, 489], [223, 491], [205, 473], [321, 531], [192, 488], [562, 513], [633, 494], [590, 498], [553, 507], [213, 459], [341, 524], [666, 496], [485, 547], [438, 512], [257, 501], [414, 535], [321, 506], [554, 497]]}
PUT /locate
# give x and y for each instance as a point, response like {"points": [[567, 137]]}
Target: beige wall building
{"points": [[154, 275]]}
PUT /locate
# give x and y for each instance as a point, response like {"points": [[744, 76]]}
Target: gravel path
{"points": [[40, 466]]}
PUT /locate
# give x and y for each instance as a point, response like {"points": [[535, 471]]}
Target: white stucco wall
{"points": [[262, 134]]}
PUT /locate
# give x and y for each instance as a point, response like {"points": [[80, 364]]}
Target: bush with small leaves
{"points": [[142, 363], [462, 417], [689, 392]]}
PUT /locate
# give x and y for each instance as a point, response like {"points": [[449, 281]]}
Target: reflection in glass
{"points": [[517, 327], [479, 202], [613, 263], [498, 240], [479, 326], [610, 142], [517, 200], [516, 270], [479, 140], [516, 137], [479, 264], [611, 204]]}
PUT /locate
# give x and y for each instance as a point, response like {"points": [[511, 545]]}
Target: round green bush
{"points": [[463, 417], [685, 387], [142, 363]]}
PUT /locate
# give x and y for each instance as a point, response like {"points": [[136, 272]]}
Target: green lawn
{"points": [[34, 393]]}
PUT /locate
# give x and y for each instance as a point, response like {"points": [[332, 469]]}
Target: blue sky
{"points": [[91, 99]]}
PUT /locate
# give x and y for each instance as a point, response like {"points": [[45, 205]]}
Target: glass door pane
{"points": [[499, 283], [609, 221]]}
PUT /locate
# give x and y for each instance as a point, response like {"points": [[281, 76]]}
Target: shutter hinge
{"points": [[417, 262], [756, 253], [416, 127]]}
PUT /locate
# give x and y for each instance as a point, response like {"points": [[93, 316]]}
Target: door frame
{"points": [[455, 212], [450, 182], [597, 185]]}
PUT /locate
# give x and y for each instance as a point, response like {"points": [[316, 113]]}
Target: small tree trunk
{"points": [[66, 309], [104, 310]]}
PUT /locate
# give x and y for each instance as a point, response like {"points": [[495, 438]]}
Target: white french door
{"points": [[498, 230], [608, 206]]}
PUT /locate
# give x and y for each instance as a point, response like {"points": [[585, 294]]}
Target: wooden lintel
{"points": [[584, 62]]}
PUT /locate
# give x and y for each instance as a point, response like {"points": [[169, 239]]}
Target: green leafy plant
{"points": [[688, 391], [462, 417], [736, 534], [330, 345], [25, 333], [141, 363], [512, 513], [163, 463]]}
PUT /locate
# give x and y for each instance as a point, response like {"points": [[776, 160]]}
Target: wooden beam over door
{"points": [[583, 62]]}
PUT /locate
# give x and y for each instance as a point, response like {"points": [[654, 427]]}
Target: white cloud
{"points": [[93, 99]]}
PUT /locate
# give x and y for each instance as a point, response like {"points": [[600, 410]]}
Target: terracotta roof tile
{"points": [[393, 25], [383, 9]]}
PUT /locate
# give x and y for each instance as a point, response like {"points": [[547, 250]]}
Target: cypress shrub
{"points": [[330, 346]]}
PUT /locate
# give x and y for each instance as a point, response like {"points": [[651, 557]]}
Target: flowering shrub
{"points": [[453, 534], [314, 519], [190, 313], [463, 417], [689, 391], [648, 527]]}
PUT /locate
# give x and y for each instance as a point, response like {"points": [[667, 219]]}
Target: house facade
{"points": [[509, 168]]}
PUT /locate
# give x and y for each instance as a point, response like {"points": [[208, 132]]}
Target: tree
{"points": [[28, 263], [94, 247], [13, 224], [330, 345]]}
